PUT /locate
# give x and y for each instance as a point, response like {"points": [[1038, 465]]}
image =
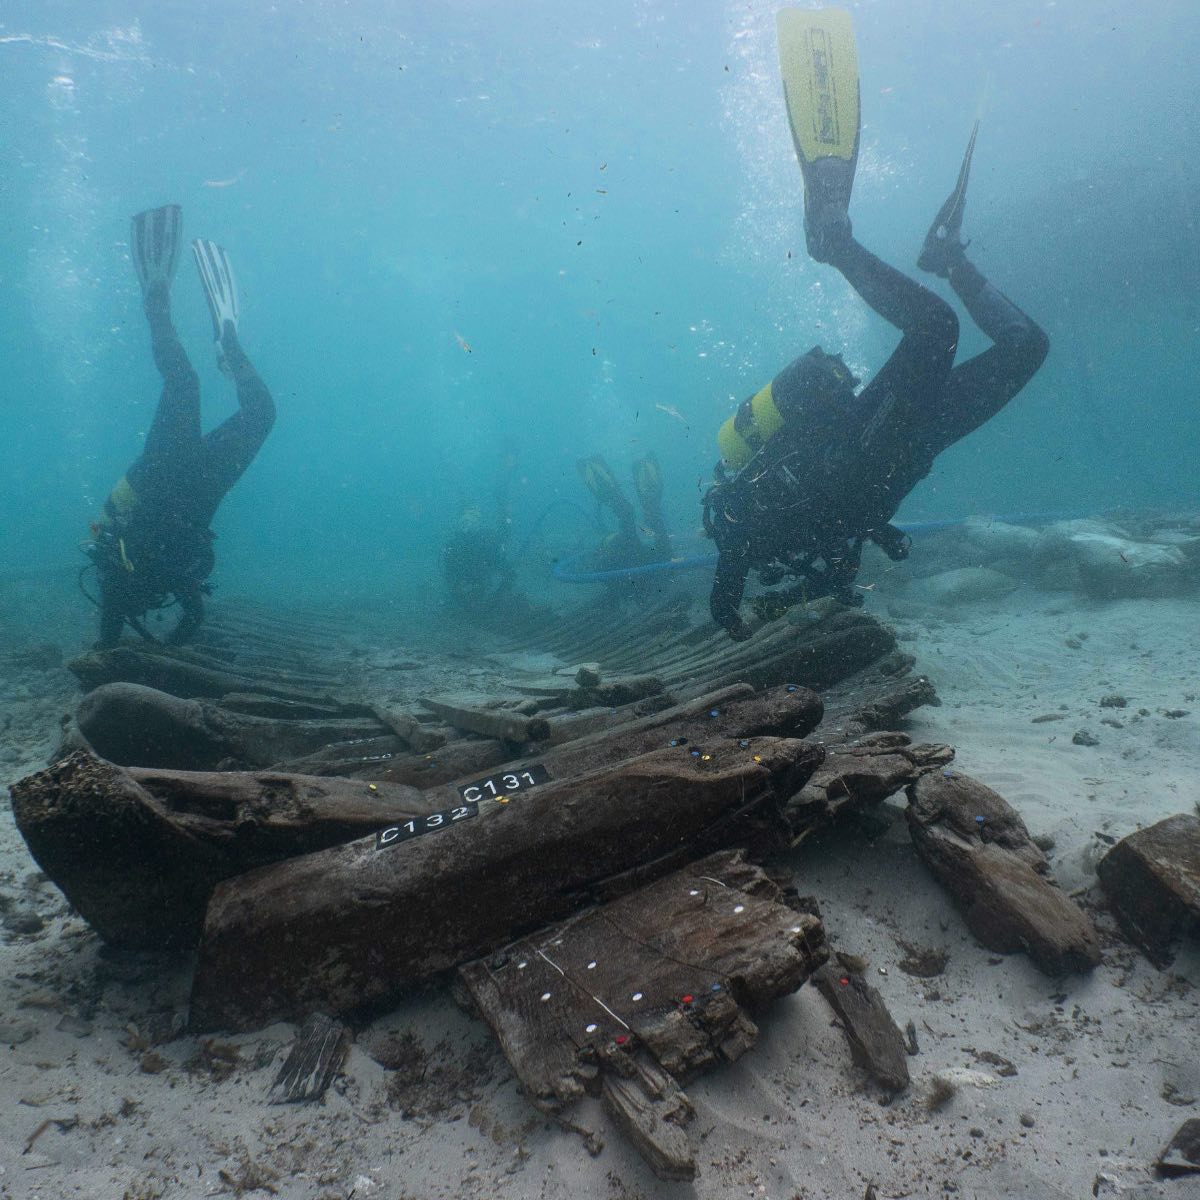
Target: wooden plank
{"points": [[875, 1040], [359, 923], [137, 852], [642, 991], [315, 1058], [131, 724]]}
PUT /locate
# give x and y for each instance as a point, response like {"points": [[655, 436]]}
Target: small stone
{"points": [[1113, 701], [588, 676], [1084, 738], [14, 1032], [1027, 1120]]}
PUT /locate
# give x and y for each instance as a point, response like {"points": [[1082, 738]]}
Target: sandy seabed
{"points": [[1068, 1088]]}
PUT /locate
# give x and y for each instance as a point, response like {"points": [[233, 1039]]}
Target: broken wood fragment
{"points": [[1152, 881], [315, 1058], [860, 775], [644, 991], [979, 849], [650, 1108], [135, 725], [505, 725], [1181, 1155], [875, 1040]]}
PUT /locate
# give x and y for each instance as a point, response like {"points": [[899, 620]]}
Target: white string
{"points": [[584, 990]]}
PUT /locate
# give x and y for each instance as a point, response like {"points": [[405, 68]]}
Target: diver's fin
{"points": [[219, 283], [602, 483], [943, 245], [819, 64], [154, 239], [647, 480]]}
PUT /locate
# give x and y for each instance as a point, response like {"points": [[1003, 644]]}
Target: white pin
{"points": [[592, 1028], [545, 997], [591, 966], [522, 965], [637, 995], [693, 892], [737, 908]]}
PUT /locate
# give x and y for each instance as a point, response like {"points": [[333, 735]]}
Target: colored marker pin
{"points": [[791, 687], [714, 712], [981, 820]]}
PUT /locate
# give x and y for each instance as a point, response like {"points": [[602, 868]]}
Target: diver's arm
{"points": [[729, 584]]}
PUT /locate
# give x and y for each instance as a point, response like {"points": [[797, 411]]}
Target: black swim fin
{"points": [[154, 240], [943, 246]]}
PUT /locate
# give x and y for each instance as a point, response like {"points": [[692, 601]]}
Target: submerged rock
{"points": [[964, 585], [1109, 564]]}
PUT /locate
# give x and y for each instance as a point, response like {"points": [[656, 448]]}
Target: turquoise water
{"points": [[601, 202]]}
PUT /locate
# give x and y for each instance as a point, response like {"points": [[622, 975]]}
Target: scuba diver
{"points": [[625, 547], [476, 568], [154, 543], [821, 467]]}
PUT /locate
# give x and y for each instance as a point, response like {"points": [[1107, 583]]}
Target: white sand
{"points": [[1100, 1072]]}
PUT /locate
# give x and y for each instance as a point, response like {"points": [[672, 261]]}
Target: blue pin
{"points": [[791, 687]]}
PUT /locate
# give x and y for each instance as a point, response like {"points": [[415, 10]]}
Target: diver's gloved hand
{"points": [[738, 630], [827, 231]]}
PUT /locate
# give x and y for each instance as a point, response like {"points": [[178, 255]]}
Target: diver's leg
{"points": [[982, 386], [191, 604], [175, 430], [600, 481], [899, 300], [230, 448], [647, 482], [729, 585], [113, 606], [912, 381]]}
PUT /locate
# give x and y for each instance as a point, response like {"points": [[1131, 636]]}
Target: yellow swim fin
{"points": [[647, 479], [819, 64]]}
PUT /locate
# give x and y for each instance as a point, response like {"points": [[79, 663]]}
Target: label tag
{"points": [[393, 835], [504, 784]]}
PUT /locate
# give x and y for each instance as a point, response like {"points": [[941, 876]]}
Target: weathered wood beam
{"points": [[979, 849], [355, 925]]}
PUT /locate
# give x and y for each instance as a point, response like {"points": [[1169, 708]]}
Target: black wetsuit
{"points": [[836, 472], [155, 541], [476, 568]]}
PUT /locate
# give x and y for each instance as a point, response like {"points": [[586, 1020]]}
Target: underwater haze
{"points": [[478, 238]]}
